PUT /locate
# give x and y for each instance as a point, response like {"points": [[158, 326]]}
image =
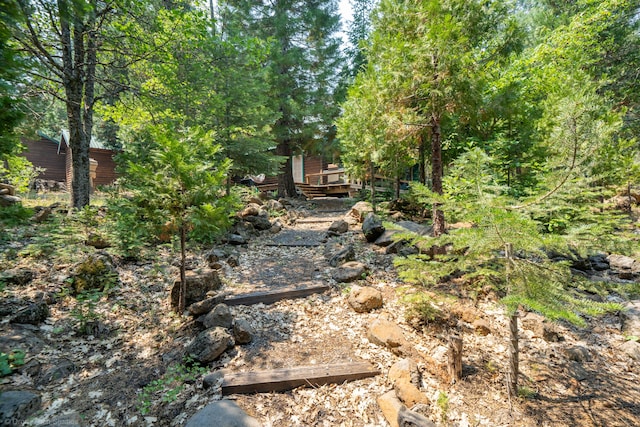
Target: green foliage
{"points": [[177, 181], [422, 308], [443, 404], [94, 275], [528, 278], [14, 215], [9, 362], [84, 312], [170, 385]]}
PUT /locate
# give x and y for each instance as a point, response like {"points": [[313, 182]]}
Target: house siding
{"points": [[43, 153], [106, 172]]}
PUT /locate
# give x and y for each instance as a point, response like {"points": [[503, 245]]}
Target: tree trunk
{"points": [[372, 175], [514, 354], [78, 78], [436, 174], [397, 187], [183, 260], [422, 159], [454, 365]]}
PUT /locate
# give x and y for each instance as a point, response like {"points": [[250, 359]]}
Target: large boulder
{"points": [[372, 227], [208, 345], [223, 413], [365, 299], [199, 282]]}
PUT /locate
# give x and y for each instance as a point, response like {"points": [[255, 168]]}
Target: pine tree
{"points": [[302, 64]]}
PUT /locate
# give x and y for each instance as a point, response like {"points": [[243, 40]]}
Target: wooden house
{"points": [[55, 157]]}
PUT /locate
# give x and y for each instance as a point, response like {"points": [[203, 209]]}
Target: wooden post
{"points": [[455, 358]]}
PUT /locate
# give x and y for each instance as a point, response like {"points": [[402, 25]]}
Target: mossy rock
{"points": [[95, 273]]}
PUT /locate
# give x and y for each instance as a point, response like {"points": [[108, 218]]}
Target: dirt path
{"points": [[122, 373]]}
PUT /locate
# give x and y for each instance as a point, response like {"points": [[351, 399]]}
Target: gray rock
{"points": [[253, 209], [223, 413], [233, 261], [208, 345], [372, 227], [259, 222], [212, 380], [214, 256], [66, 420], [631, 318], [33, 314], [385, 239], [349, 272], [57, 370], [219, 316], [199, 282], [6, 200], [205, 306], [360, 210], [274, 205], [577, 371], [18, 276], [414, 227], [578, 353], [16, 406], [345, 255], [407, 418], [340, 226], [632, 349], [236, 239], [365, 299], [621, 262], [243, 332]]}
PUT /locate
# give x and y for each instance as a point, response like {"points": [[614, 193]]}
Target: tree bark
{"points": [[436, 174], [454, 365], [372, 175], [514, 355], [78, 79], [182, 298], [422, 159], [286, 185]]}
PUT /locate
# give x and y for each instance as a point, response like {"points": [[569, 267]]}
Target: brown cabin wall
{"points": [[312, 164], [106, 172], [43, 153]]}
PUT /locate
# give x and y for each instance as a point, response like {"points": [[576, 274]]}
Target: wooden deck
{"points": [[320, 190]]}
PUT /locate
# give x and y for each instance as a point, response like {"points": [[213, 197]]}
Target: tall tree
{"points": [[10, 113], [302, 66], [65, 39]]}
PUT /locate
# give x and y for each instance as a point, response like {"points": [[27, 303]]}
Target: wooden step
{"points": [[269, 297], [301, 376]]}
